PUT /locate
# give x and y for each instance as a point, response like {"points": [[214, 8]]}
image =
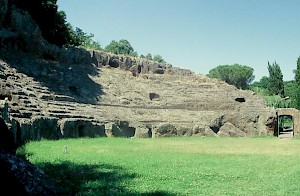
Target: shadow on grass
{"points": [[97, 179]]}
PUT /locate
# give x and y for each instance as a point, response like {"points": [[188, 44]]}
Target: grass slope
{"points": [[171, 166]]}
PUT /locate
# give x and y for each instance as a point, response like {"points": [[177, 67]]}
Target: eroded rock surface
{"points": [[84, 98], [20, 177], [52, 93], [57, 92]]}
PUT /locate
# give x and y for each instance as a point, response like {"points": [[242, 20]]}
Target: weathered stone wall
{"points": [[73, 92], [44, 127], [183, 103], [76, 128], [135, 65], [296, 118]]}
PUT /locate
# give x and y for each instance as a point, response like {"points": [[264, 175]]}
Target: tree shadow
{"points": [[96, 179], [66, 81]]}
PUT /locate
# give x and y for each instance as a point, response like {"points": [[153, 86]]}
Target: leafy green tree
{"points": [[134, 54], [264, 82], [238, 75], [85, 40], [262, 86], [51, 22], [125, 47], [120, 47], [290, 90], [113, 47], [276, 84], [158, 58], [149, 56]]}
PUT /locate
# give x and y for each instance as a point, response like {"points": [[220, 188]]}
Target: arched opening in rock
{"points": [[240, 99], [285, 126], [130, 132], [153, 96], [126, 130], [150, 132], [215, 129], [81, 131], [139, 69], [5, 94], [217, 124]]}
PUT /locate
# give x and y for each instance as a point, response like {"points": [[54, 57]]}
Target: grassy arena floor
{"points": [[171, 166]]}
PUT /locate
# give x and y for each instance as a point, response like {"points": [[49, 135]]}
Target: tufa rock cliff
{"points": [[52, 93], [57, 93], [53, 99]]}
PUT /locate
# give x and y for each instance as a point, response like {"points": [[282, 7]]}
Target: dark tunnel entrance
{"points": [[285, 126], [80, 131]]}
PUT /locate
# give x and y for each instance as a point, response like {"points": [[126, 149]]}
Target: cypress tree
{"points": [[297, 85], [276, 84], [297, 72]]}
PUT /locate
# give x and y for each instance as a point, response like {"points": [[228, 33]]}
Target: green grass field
{"points": [[171, 166]]}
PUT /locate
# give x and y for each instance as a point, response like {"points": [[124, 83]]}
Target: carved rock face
{"points": [[7, 142], [19, 177], [82, 91]]}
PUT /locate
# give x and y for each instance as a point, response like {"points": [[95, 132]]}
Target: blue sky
{"points": [[197, 34]]}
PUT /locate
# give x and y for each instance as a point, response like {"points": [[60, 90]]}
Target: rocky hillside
{"points": [[52, 93], [52, 99], [56, 92]]}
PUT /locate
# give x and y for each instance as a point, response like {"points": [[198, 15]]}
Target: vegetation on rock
{"points": [[238, 75], [54, 27], [278, 93], [297, 85], [120, 47], [276, 84]]}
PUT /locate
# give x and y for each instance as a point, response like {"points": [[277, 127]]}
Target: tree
{"points": [[51, 22], [263, 82], [290, 90], [276, 84], [238, 75], [113, 47], [125, 47], [297, 72], [149, 56], [83, 39], [296, 99], [158, 58], [120, 47], [262, 86], [133, 54]]}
